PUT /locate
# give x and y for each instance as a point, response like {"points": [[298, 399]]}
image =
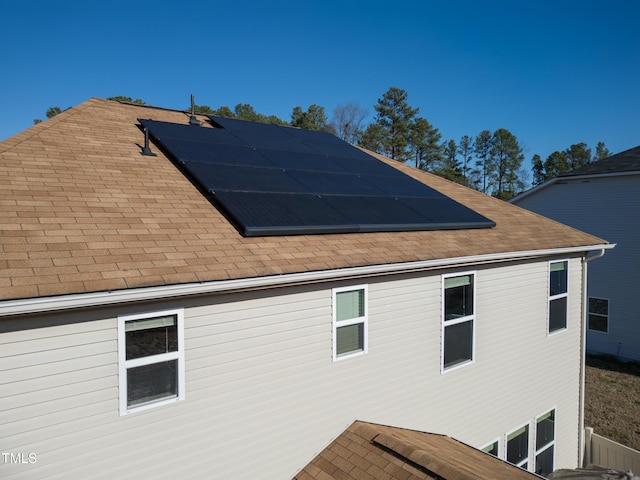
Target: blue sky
{"points": [[552, 72]]}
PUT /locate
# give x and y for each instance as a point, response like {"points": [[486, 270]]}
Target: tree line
{"points": [[491, 162]]}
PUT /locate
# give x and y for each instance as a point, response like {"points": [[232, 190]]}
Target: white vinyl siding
{"points": [[608, 208], [260, 378]]}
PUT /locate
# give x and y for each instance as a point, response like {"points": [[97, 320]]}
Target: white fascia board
{"points": [[85, 300]]}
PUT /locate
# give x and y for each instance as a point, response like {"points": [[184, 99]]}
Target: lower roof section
{"points": [[366, 448]]}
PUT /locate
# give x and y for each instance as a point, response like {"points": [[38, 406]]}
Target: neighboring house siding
{"points": [[607, 207], [263, 393]]}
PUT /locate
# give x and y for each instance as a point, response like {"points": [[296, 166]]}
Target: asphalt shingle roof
{"points": [[367, 451], [81, 210], [627, 161]]}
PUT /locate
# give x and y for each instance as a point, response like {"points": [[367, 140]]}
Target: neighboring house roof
{"points": [[623, 163], [627, 161], [82, 211], [378, 452]]}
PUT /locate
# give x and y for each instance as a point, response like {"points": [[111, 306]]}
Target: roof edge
{"points": [[566, 177], [85, 300], [526, 193]]}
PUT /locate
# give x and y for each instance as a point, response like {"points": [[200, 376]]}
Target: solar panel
{"points": [[402, 186], [323, 183], [272, 180], [283, 214], [301, 161], [162, 130], [222, 154], [216, 177]]}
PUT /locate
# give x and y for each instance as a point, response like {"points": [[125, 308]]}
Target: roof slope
{"points": [[627, 161], [378, 452], [81, 210]]}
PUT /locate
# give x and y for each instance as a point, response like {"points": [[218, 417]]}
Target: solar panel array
{"points": [[274, 180]]}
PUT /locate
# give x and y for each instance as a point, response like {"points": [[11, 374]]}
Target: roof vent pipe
{"points": [[193, 120], [146, 150]]}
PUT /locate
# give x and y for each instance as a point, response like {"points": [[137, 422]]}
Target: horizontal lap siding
{"points": [[606, 207], [263, 394]]}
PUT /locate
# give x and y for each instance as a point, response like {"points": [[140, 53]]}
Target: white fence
{"points": [[607, 453]]}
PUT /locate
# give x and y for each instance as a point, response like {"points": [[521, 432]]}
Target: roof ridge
{"points": [[415, 454], [44, 125]]}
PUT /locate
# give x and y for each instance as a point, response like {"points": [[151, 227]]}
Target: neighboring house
{"points": [[603, 198], [143, 336], [366, 451]]}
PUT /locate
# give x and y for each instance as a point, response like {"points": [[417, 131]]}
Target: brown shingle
{"points": [[78, 193], [405, 455]]}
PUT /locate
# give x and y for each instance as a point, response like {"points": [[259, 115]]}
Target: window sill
{"points": [[345, 356], [151, 405], [556, 332], [456, 366]]}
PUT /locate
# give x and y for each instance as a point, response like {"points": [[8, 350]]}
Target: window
{"points": [[151, 360], [598, 314], [557, 296], [458, 320], [349, 321], [492, 448], [518, 447], [545, 442]]}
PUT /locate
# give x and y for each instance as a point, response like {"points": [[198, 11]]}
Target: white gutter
{"points": [[583, 355], [83, 300]]}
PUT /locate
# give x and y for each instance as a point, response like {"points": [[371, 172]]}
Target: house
{"points": [[367, 451], [603, 198], [148, 328]]}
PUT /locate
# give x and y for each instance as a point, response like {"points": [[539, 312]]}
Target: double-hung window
{"points": [[599, 314], [545, 443], [349, 321], [151, 359], [558, 280], [458, 319], [518, 447]]}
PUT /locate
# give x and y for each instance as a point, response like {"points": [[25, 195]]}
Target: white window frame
{"points": [[124, 364], [352, 321], [556, 297], [599, 314], [445, 323], [527, 459], [551, 444], [490, 444]]}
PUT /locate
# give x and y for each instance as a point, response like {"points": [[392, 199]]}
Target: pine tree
{"points": [[395, 118], [505, 162], [482, 150], [424, 142]]}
